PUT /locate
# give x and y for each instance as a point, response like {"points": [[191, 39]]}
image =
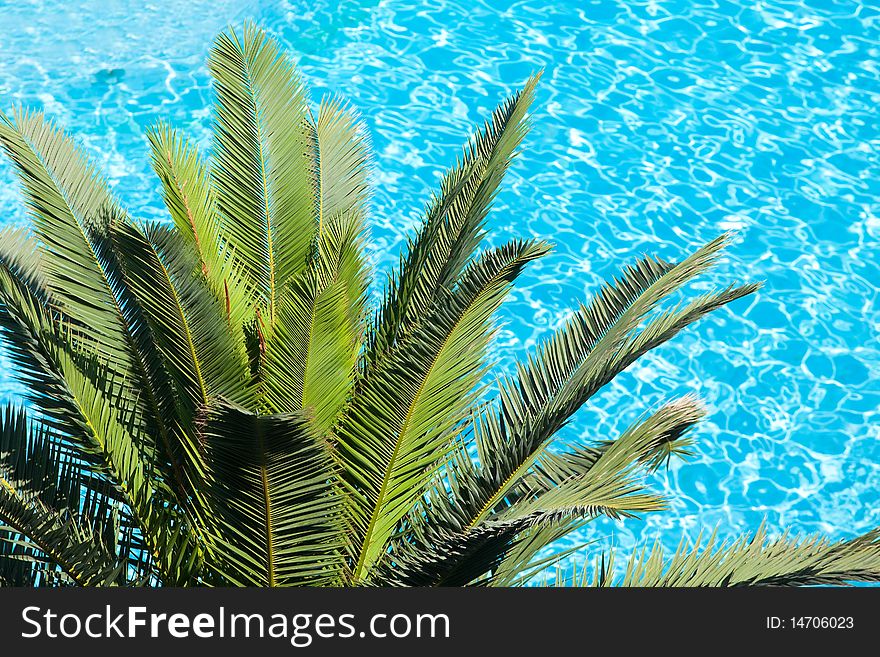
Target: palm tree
{"points": [[214, 401]]}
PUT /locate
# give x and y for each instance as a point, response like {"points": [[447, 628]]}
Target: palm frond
{"points": [[21, 258], [535, 405], [647, 444], [403, 417], [166, 338], [610, 484], [70, 204], [67, 198], [278, 518], [553, 363], [265, 194], [607, 482], [342, 162], [189, 321], [191, 201], [79, 398], [452, 229], [757, 560], [23, 565], [310, 360], [311, 353], [107, 437], [40, 498], [465, 557]]}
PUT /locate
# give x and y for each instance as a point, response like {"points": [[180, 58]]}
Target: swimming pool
{"points": [[658, 125]]}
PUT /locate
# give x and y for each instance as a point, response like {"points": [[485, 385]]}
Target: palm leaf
{"points": [[452, 229], [70, 205], [40, 489], [342, 161], [758, 561], [648, 443], [67, 198], [278, 517], [80, 399], [23, 565], [532, 408], [465, 557], [21, 258], [311, 357], [403, 416], [607, 483], [190, 322], [610, 484], [176, 354], [191, 201], [265, 194]]}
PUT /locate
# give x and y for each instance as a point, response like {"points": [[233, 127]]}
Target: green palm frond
{"points": [[20, 258], [278, 521], [70, 203], [40, 349], [452, 229], [183, 362], [610, 484], [41, 496], [310, 360], [342, 163], [750, 560], [460, 558], [586, 474], [67, 198], [540, 401], [79, 398], [265, 193], [215, 349], [579, 486], [556, 360], [402, 419], [150, 282], [106, 431], [649, 443], [22, 564], [574, 364], [191, 201]]}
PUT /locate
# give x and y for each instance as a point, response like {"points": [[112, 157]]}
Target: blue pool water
{"points": [[658, 125]]}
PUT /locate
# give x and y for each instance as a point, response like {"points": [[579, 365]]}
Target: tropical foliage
{"points": [[215, 401]]}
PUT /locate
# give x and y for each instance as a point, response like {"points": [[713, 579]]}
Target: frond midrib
{"points": [[267, 502], [248, 80]]}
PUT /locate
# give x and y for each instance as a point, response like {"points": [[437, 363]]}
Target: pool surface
{"points": [[658, 125]]}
